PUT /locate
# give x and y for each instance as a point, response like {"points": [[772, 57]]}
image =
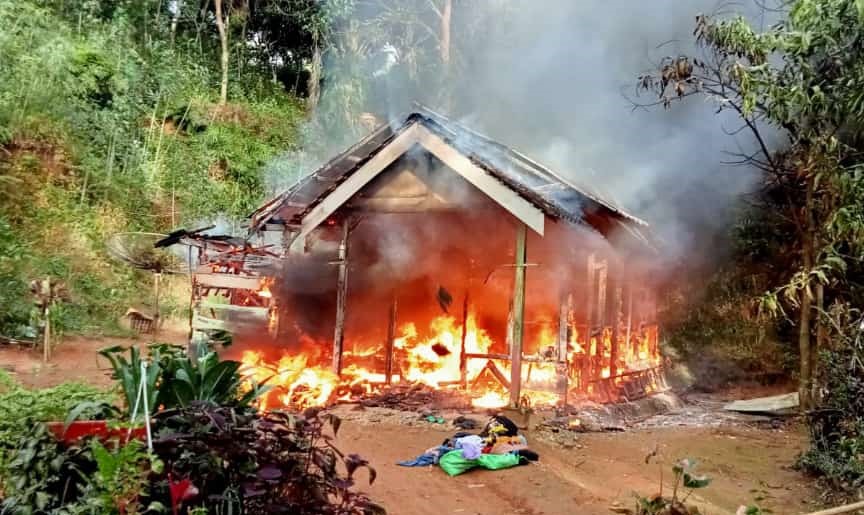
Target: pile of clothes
{"points": [[498, 446]]}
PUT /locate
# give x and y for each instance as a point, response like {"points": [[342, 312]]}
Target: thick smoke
{"points": [[557, 92], [556, 78]]}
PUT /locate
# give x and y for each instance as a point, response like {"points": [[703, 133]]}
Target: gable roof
{"points": [[535, 185]]}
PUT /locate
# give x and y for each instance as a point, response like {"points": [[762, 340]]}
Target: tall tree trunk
{"points": [[223, 40], [313, 93], [444, 47], [175, 19], [805, 316]]}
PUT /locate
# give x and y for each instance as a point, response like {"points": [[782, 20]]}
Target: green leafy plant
{"points": [[127, 373], [176, 380], [19, 405], [42, 475], [685, 478], [121, 477], [240, 461], [209, 380]]}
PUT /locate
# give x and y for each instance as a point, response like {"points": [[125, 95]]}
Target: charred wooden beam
{"points": [[391, 337], [504, 357], [496, 373], [341, 299], [590, 301], [613, 315], [518, 317], [563, 366], [463, 359], [628, 314]]}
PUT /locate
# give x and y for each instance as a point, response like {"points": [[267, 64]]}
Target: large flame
{"points": [[432, 357]]}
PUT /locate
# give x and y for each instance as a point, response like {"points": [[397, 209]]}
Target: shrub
{"points": [[258, 463]]}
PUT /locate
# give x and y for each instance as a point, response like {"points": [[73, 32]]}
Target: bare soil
{"points": [[749, 463]]}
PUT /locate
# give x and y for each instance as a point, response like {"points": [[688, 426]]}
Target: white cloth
{"points": [[472, 446]]}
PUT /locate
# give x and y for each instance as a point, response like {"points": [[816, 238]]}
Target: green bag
{"points": [[454, 464]]}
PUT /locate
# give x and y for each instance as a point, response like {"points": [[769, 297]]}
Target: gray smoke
{"points": [[551, 78]]}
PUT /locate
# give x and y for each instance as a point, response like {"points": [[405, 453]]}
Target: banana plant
{"points": [[210, 380], [127, 373]]}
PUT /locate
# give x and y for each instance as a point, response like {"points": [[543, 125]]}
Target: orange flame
{"points": [[432, 357]]}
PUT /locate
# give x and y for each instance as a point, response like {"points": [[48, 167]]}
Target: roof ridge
{"points": [[538, 167]]}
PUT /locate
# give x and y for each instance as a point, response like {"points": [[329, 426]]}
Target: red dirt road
{"points": [[747, 465]]}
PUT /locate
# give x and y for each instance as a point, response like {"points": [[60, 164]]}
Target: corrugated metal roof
{"points": [[555, 195]]}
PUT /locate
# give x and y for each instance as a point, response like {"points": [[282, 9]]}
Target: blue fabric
{"points": [[427, 459], [424, 460]]}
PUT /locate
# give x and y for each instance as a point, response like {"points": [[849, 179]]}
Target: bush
{"points": [[837, 425], [243, 462], [20, 407]]}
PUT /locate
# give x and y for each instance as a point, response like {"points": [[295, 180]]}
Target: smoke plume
{"points": [[556, 79]]}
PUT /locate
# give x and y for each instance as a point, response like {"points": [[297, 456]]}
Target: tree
{"points": [[222, 20], [805, 78]]}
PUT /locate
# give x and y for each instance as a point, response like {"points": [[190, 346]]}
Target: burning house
{"points": [[427, 253]]}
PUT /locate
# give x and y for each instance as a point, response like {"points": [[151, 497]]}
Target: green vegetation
{"points": [[175, 380], [22, 408], [107, 126], [803, 78], [212, 452]]}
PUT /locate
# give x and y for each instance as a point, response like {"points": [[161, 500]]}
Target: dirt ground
{"points": [[748, 463]]}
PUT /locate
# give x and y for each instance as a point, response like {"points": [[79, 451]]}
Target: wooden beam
{"points": [[613, 314], [518, 317], [563, 366], [463, 359], [523, 210], [358, 179], [588, 368], [391, 338], [564, 309], [505, 357], [628, 314], [341, 299], [232, 281]]}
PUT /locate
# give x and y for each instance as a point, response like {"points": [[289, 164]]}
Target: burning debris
{"points": [[345, 267]]}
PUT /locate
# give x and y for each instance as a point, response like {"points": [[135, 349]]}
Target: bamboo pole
{"points": [[848, 508], [518, 317]]}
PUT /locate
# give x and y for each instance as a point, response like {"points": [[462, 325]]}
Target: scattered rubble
{"points": [[416, 398]]}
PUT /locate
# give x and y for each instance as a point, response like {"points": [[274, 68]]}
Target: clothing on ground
{"points": [[472, 446], [453, 463], [430, 457]]}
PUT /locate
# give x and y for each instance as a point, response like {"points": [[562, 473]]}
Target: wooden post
{"points": [[613, 313], [391, 337], [463, 358], [156, 280], [628, 316], [518, 317], [46, 344], [588, 360], [341, 298], [563, 367]]}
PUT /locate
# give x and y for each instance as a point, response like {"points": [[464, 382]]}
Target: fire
{"points": [[293, 382], [264, 291], [491, 399], [431, 356]]}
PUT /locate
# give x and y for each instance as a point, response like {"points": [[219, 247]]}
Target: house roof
{"points": [[551, 193]]}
